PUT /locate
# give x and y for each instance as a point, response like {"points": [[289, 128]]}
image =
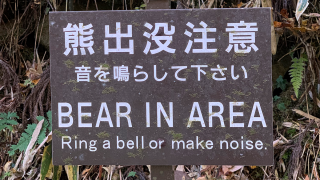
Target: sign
{"points": [[162, 87]]}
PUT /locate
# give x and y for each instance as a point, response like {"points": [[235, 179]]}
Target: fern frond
{"points": [[27, 135], [24, 140], [296, 73], [45, 126], [49, 115], [7, 120]]}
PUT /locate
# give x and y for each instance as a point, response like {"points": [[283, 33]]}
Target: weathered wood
{"points": [[160, 172]]}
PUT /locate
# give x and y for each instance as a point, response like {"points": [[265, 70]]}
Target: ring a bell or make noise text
{"points": [[142, 143]]}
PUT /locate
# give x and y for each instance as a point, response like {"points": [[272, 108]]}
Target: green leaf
{"points": [[47, 126], [42, 134], [47, 10], [46, 161], [28, 82], [57, 170], [6, 174], [281, 83], [296, 73], [26, 136], [275, 98], [72, 172], [7, 120], [131, 174], [24, 140], [49, 115], [143, 5], [291, 132], [281, 107]]}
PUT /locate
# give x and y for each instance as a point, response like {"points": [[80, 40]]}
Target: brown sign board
{"points": [[162, 87]]}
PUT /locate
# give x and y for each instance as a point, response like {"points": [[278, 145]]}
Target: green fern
{"points": [[27, 135], [7, 120], [296, 73], [24, 140], [47, 124]]}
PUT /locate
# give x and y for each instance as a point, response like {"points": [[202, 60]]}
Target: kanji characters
{"points": [[78, 36], [102, 74], [200, 70], [204, 39], [118, 35], [157, 36], [241, 36], [121, 73], [83, 73]]}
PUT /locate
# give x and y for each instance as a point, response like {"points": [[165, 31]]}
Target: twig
{"points": [[87, 5], [53, 9], [100, 172], [95, 2], [264, 171], [296, 48], [317, 120]]}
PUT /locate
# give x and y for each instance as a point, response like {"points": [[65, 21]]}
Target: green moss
{"points": [[239, 93], [194, 95], [67, 161], [209, 74], [75, 136], [252, 132], [175, 136], [58, 133], [235, 55], [69, 63], [256, 67], [215, 55], [109, 90], [138, 154], [105, 65], [228, 136], [196, 131], [85, 117], [135, 23], [103, 135], [75, 89], [131, 155], [84, 63], [70, 81], [245, 106]]}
